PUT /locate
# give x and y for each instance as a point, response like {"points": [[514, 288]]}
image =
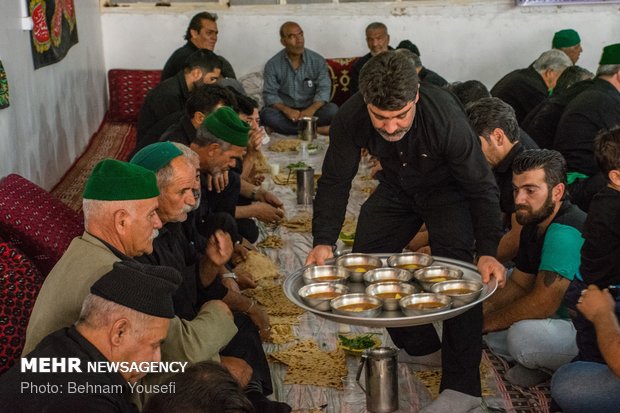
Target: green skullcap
{"points": [[611, 55], [113, 180], [156, 155], [565, 38], [225, 124]]}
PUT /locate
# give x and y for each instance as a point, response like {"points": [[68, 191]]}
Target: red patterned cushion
{"points": [[20, 282], [127, 91], [36, 222], [339, 71]]}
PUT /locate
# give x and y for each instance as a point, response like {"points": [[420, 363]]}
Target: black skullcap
{"points": [[144, 288]]}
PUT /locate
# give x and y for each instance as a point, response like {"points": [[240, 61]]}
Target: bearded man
{"points": [[433, 168], [526, 321]]}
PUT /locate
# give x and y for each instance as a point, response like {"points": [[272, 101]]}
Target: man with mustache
{"points": [[120, 219], [526, 320], [433, 168]]}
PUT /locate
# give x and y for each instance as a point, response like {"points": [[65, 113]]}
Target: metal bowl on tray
{"points": [[358, 264], [436, 273], [462, 292], [410, 261], [318, 295], [425, 303], [356, 305], [387, 274], [325, 273], [391, 292]]}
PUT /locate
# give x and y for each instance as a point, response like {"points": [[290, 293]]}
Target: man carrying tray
{"points": [[434, 172]]}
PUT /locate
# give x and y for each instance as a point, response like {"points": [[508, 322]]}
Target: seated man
{"points": [[523, 89], [599, 260], [586, 386], [120, 221], [526, 321], [297, 85], [495, 123], [425, 75], [542, 121], [569, 42], [201, 34], [202, 101], [595, 109], [124, 319], [200, 262], [378, 40], [469, 91], [164, 104], [204, 387]]}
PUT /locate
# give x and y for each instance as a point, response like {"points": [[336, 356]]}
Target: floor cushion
{"points": [[20, 282], [127, 91], [35, 222]]}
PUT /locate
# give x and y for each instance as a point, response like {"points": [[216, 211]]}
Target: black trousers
{"points": [[247, 345], [387, 222]]}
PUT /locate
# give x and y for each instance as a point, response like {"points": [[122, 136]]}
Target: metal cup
{"points": [[307, 128], [305, 185]]}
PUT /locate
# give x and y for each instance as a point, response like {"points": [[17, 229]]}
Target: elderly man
{"points": [[526, 321], [433, 172], [124, 319], [569, 42], [120, 213], [296, 85], [595, 109], [495, 123], [164, 104], [180, 248], [201, 34], [524, 89], [378, 40]]}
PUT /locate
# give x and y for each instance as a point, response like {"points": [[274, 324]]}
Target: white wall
{"points": [[54, 110], [460, 39]]}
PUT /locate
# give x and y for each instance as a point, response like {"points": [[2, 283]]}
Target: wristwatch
{"points": [[230, 275]]}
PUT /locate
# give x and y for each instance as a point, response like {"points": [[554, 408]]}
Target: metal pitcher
{"points": [[307, 128], [305, 185], [381, 379]]}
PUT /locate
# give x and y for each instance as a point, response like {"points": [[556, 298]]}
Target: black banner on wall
{"points": [[54, 30]]}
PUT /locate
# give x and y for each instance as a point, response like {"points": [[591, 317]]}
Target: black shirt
{"points": [[177, 246], [522, 89], [109, 392], [355, 72], [600, 260], [503, 175], [182, 131], [163, 106], [428, 76], [596, 108], [542, 121], [439, 159], [177, 60]]}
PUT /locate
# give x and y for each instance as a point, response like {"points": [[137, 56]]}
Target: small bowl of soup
{"points": [[391, 292], [358, 264], [411, 261], [462, 292], [318, 295], [387, 274], [324, 273], [436, 274], [424, 303], [356, 305]]}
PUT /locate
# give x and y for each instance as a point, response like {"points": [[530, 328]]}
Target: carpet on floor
{"points": [[113, 140]]}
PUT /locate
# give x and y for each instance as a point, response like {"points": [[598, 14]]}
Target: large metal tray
{"points": [[294, 282]]}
